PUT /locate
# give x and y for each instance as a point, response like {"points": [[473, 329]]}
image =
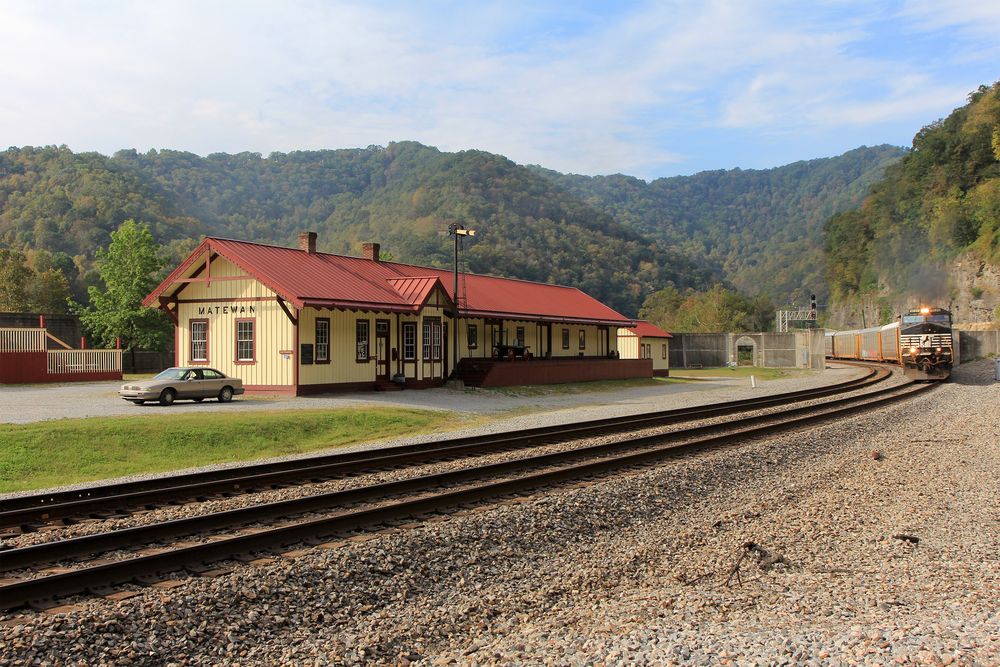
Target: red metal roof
{"points": [[416, 291], [644, 328], [335, 281]]}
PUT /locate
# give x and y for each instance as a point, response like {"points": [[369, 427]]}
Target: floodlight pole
{"points": [[456, 230]]}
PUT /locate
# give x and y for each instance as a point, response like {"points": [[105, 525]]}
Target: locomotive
{"points": [[920, 341]]}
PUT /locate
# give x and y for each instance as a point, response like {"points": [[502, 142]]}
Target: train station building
{"points": [[645, 340], [298, 321]]}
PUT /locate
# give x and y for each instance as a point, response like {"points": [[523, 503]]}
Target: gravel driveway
{"points": [[21, 404]]}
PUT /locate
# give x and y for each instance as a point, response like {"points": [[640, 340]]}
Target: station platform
{"points": [[507, 373]]}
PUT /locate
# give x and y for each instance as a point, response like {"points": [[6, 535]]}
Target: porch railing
{"points": [[22, 340], [85, 361]]}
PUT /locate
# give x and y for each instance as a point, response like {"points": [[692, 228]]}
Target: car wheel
{"points": [[167, 397], [138, 402], [197, 400], [226, 395]]}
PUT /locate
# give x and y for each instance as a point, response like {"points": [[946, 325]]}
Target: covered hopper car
{"points": [[920, 342]]}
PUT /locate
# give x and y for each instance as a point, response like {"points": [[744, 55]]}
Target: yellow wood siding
{"points": [[343, 366], [221, 303], [657, 347], [592, 340], [628, 344]]}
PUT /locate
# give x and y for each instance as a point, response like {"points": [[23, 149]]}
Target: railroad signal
{"points": [[812, 307], [457, 231]]}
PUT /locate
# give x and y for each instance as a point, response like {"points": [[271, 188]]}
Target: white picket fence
{"points": [[85, 361], [22, 340]]}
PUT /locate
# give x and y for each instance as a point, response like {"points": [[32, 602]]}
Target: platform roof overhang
{"points": [[490, 315]]}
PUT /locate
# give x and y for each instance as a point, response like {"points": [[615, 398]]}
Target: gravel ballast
{"points": [[876, 540]]}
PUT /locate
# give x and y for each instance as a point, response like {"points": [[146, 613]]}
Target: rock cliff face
{"points": [[975, 288], [971, 290]]}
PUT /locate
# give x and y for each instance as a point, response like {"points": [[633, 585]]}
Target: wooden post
{"points": [[41, 321], [83, 343]]}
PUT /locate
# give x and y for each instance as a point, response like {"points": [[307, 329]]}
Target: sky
{"points": [[649, 89]]}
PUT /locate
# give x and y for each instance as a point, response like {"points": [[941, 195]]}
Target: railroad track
{"points": [[193, 543], [28, 513]]}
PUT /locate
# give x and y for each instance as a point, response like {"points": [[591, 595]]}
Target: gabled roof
{"points": [[643, 329], [417, 290], [333, 281]]}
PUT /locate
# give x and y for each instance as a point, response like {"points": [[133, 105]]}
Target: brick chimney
{"points": [[370, 251], [307, 242]]}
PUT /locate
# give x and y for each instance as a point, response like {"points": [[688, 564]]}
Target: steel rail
{"points": [[115, 497], [23, 592]]}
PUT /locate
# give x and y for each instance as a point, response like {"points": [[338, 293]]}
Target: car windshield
{"points": [[172, 374]]}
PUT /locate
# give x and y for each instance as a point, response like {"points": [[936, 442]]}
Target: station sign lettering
{"points": [[227, 310]]}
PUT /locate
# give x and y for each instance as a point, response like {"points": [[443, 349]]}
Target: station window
{"points": [[583, 339], [199, 340], [409, 341], [664, 350], [519, 336], [361, 336], [245, 341], [432, 339], [322, 340], [473, 336], [565, 338]]}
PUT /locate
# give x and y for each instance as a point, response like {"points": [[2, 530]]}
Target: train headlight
{"points": [[938, 349], [913, 351]]}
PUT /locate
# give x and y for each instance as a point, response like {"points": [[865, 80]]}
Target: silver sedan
{"points": [[197, 384]]}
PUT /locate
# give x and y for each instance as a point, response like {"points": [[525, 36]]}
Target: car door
{"points": [[213, 383], [194, 386]]}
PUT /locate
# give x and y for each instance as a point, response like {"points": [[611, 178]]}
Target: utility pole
{"points": [[457, 231]]}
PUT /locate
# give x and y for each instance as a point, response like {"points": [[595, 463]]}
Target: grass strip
{"points": [[69, 451], [580, 387], [730, 372]]}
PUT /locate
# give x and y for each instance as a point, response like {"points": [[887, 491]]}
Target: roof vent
{"points": [[307, 242], [370, 251]]}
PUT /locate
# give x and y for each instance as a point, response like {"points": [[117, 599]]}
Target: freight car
{"points": [[920, 342]]}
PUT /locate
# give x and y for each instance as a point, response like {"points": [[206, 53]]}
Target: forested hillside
{"points": [[763, 228], [939, 202], [404, 196], [616, 237]]}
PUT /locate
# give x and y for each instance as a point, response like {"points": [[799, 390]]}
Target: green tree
{"points": [[716, 310], [713, 311], [15, 277], [49, 292], [128, 269], [661, 307]]}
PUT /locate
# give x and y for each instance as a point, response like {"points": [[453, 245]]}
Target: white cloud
{"points": [[567, 88]]}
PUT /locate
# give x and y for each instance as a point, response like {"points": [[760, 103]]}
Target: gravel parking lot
{"points": [[21, 404], [636, 568]]}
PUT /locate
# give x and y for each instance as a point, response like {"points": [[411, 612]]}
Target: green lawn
{"points": [[730, 371], [53, 453]]}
